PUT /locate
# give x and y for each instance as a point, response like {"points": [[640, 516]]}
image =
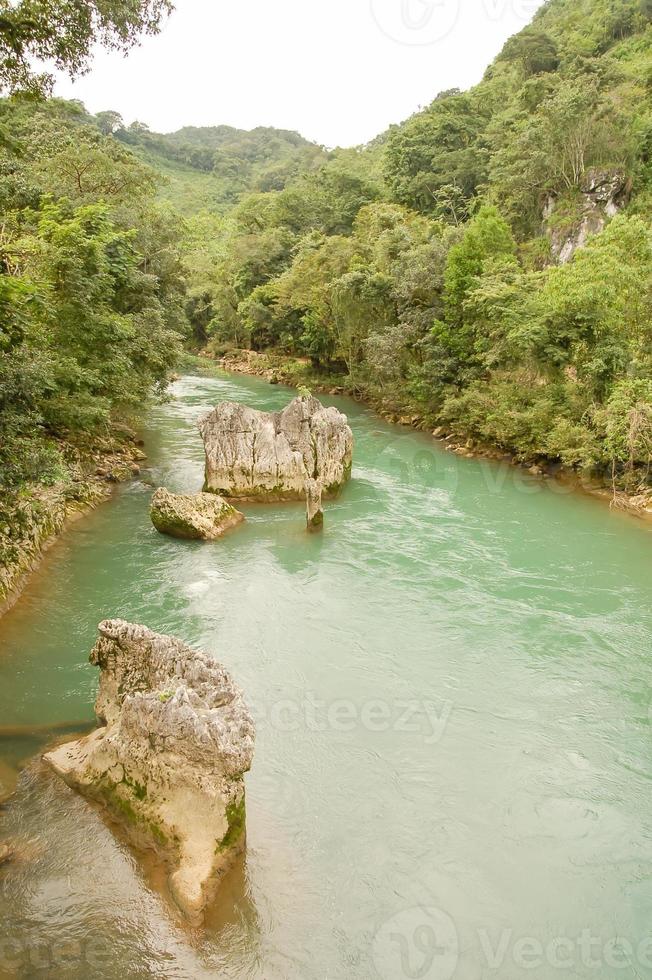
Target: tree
{"points": [[86, 170], [627, 419], [535, 50], [591, 318], [360, 298], [486, 238], [64, 33], [109, 122], [437, 148]]}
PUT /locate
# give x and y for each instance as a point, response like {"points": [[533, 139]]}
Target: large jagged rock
{"points": [[169, 761], [203, 516], [268, 456], [603, 194]]}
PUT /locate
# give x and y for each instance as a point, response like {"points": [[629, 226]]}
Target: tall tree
{"points": [[64, 31]]}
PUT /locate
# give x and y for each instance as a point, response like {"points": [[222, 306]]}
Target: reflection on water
{"points": [[451, 687]]}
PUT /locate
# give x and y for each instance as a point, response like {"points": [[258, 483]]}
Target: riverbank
{"points": [[295, 372], [32, 519]]}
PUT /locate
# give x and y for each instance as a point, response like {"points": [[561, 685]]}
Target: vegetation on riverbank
{"points": [[36, 512], [91, 281]]}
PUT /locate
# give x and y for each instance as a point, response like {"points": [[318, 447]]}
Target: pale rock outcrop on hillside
{"points": [[269, 456], [603, 193], [169, 759], [193, 516]]}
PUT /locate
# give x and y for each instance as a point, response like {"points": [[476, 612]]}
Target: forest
{"points": [[487, 263]]}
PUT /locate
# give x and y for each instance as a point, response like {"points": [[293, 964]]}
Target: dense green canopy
{"points": [[64, 31]]}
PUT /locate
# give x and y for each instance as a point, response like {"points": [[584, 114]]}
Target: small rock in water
{"points": [[199, 516], [314, 512]]}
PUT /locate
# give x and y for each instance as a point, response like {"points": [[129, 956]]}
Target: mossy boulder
{"points": [[199, 516]]}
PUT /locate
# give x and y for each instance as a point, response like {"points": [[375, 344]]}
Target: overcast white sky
{"points": [[338, 71]]}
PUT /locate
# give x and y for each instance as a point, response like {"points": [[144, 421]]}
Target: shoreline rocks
{"points": [[199, 516], [32, 520], [268, 456], [169, 760]]}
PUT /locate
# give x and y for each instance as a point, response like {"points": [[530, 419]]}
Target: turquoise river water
{"points": [[452, 689]]}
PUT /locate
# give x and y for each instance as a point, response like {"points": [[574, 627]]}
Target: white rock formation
{"points": [[604, 193], [267, 456], [196, 516], [169, 761]]}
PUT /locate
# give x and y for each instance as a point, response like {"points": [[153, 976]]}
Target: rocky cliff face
{"points": [[169, 759], [603, 194], [204, 516], [269, 456]]}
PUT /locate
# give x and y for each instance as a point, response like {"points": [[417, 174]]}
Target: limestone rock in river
{"points": [[194, 516], [268, 456], [314, 513], [169, 761]]}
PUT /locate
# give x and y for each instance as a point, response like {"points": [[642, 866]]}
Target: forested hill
{"points": [[486, 264], [211, 167], [459, 267]]}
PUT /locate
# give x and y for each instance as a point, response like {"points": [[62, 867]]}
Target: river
{"points": [[453, 771]]}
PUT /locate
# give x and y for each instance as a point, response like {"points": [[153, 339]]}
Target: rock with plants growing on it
{"points": [[199, 516], [168, 761]]}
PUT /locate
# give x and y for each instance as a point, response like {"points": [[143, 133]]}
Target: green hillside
{"points": [[211, 167]]}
